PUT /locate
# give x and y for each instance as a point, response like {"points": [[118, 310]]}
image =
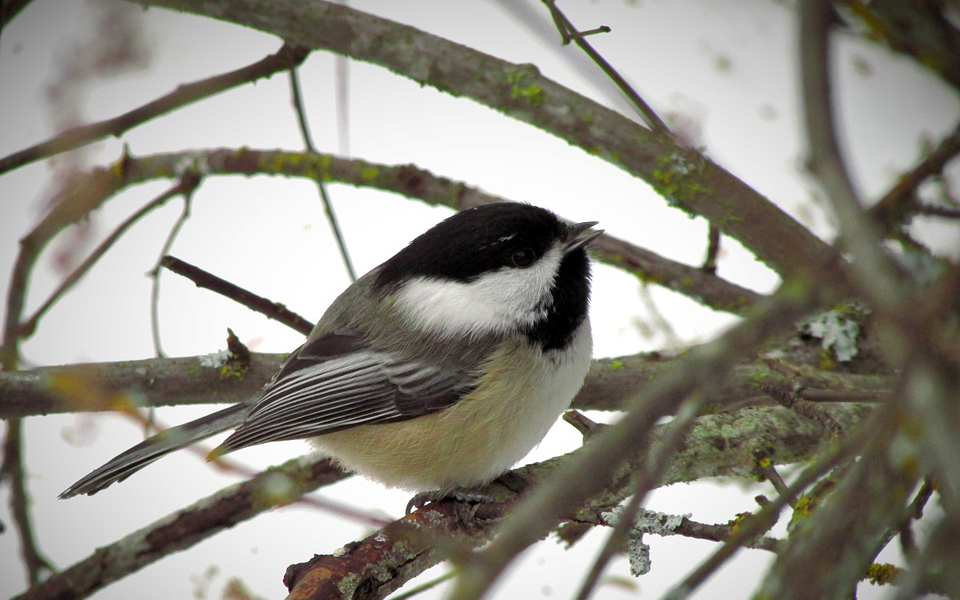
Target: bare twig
{"points": [[896, 205], [646, 480], [426, 586], [713, 250], [184, 186], [763, 520], [35, 562], [792, 398], [154, 273], [585, 425], [771, 474], [907, 544], [321, 185], [288, 56], [203, 279], [875, 275], [660, 323], [569, 32], [692, 529], [188, 526]]}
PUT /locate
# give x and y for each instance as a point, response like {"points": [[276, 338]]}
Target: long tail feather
{"points": [[152, 448]]}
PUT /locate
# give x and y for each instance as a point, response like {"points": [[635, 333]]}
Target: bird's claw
{"points": [[421, 499]]}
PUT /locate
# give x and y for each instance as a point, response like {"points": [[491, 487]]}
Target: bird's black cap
{"points": [[475, 241]]}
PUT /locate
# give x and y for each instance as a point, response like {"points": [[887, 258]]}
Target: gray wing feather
{"points": [[316, 393], [328, 384]]}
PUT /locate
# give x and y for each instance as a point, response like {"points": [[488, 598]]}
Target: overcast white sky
{"points": [[725, 72]]}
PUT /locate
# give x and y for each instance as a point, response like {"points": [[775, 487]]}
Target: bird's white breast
{"points": [[481, 436]]}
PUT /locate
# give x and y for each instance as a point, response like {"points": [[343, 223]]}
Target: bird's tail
{"points": [[152, 448]]}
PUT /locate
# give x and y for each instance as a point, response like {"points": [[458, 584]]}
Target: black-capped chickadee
{"points": [[437, 370]]}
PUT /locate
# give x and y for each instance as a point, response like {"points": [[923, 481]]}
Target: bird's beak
{"points": [[578, 236]]}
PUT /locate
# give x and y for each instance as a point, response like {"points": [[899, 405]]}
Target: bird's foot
{"points": [[472, 496]]}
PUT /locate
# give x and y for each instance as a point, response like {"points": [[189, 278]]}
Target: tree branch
{"points": [[686, 178], [287, 57], [101, 183], [601, 465], [610, 384], [34, 561], [718, 445], [204, 279], [921, 29], [188, 526]]}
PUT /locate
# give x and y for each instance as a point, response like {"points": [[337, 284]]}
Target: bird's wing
{"points": [[336, 382]]}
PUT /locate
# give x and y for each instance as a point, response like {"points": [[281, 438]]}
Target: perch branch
{"points": [[610, 384], [383, 561]]}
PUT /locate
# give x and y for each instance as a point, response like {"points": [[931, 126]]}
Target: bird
{"points": [[436, 371]]}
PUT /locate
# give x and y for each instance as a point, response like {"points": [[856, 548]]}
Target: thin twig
{"points": [[907, 544], [713, 250], [894, 207], [272, 310], [763, 520], [672, 341], [714, 532], [34, 561], [792, 397], [288, 56], [646, 479], [426, 586], [181, 187], [324, 197], [568, 32], [771, 474], [860, 234], [154, 273]]}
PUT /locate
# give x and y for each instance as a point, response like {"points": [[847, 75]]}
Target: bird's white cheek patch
{"points": [[497, 301]]}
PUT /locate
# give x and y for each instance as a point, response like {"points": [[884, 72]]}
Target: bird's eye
{"points": [[523, 257]]}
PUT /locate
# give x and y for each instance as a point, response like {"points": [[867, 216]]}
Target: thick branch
{"points": [[718, 445], [408, 180], [188, 526], [128, 384], [922, 29], [610, 383], [683, 176]]}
